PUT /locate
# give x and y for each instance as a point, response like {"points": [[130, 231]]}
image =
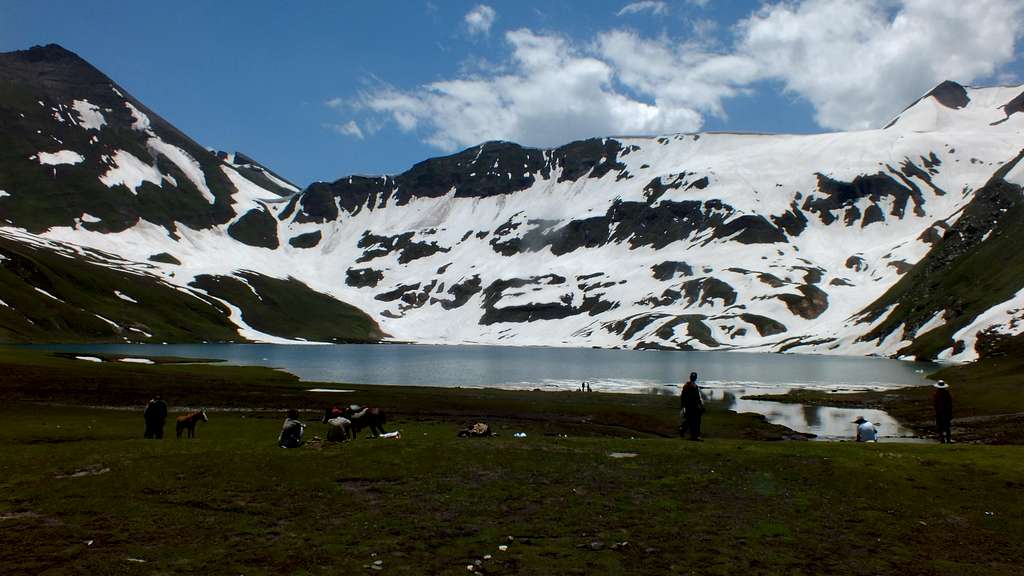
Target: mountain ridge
{"points": [[684, 241]]}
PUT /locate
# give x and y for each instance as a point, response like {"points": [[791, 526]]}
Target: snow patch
{"points": [[130, 172], [89, 115], [136, 360], [47, 294], [88, 358], [141, 121], [61, 157], [1005, 318], [124, 297], [248, 193], [3, 193], [86, 217], [186, 163], [108, 321], [934, 322]]}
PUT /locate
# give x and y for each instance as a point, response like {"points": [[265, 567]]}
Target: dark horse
{"points": [[370, 417], [189, 421]]}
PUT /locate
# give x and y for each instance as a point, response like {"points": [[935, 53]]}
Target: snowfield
{"points": [[781, 250]]}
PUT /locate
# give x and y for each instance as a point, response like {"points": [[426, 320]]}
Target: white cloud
{"points": [[480, 19], [699, 3], [349, 128], [857, 62], [553, 92], [645, 6]]}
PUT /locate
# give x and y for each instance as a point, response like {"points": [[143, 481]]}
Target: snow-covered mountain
{"points": [[81, 161], [805, 243]]}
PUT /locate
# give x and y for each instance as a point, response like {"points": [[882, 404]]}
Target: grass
{"points": [[82, 492], [430, 503]]}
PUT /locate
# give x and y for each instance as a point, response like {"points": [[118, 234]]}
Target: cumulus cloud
{"points": [[480, 19], [645, 6], [553, 92], [857, 62]]}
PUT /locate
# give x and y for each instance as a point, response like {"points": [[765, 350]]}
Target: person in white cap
{"points": [[942, 399], [866, 431]]}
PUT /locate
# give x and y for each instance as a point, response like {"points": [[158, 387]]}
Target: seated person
{"points": [[866, 431], [291, 432]]}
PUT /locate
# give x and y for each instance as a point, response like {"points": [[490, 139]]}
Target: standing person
{"points": [[291, 432], [691, 408], [942, 399], [155, 416], [866, 431]]}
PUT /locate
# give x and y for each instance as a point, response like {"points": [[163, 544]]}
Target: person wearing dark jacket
{"points": [[942, 399], [291, 431], [691, 408], [155, 416]]}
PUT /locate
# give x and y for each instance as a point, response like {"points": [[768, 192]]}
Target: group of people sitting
{"points": [[343, 423]]}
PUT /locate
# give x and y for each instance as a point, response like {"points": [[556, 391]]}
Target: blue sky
{"points": [[320, 90]]}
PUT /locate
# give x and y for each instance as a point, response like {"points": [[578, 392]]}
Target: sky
{"points": [[320, 89]]}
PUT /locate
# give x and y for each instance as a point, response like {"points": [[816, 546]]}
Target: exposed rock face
{"points": [[950, 94], [307, 240], [257, 227], [684, 241], [363, 277]]}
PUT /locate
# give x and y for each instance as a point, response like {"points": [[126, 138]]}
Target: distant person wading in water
{"points": [[691, 408]]}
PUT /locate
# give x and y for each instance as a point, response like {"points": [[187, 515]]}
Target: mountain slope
{"points": [[965, 297], [81, 155], [829, 243]]}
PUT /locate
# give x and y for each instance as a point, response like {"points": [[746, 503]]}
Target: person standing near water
{"points": [[155, 416], [691, 408], [942, 399]]}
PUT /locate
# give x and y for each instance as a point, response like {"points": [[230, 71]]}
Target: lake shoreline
{"points": [[724, 376]]}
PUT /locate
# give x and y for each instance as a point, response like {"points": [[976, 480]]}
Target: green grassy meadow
{"points": [[82, 493]]}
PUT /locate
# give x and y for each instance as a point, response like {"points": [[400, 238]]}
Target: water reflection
{"points": [[825, 422]]}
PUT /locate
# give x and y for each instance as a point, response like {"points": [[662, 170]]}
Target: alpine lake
{"points": [[731, 377]]}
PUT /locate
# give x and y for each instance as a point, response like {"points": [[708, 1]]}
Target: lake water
{"points": [[728, 376]]}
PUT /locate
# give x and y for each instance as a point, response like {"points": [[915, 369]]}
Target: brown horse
{"points": [[189, 421]]}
